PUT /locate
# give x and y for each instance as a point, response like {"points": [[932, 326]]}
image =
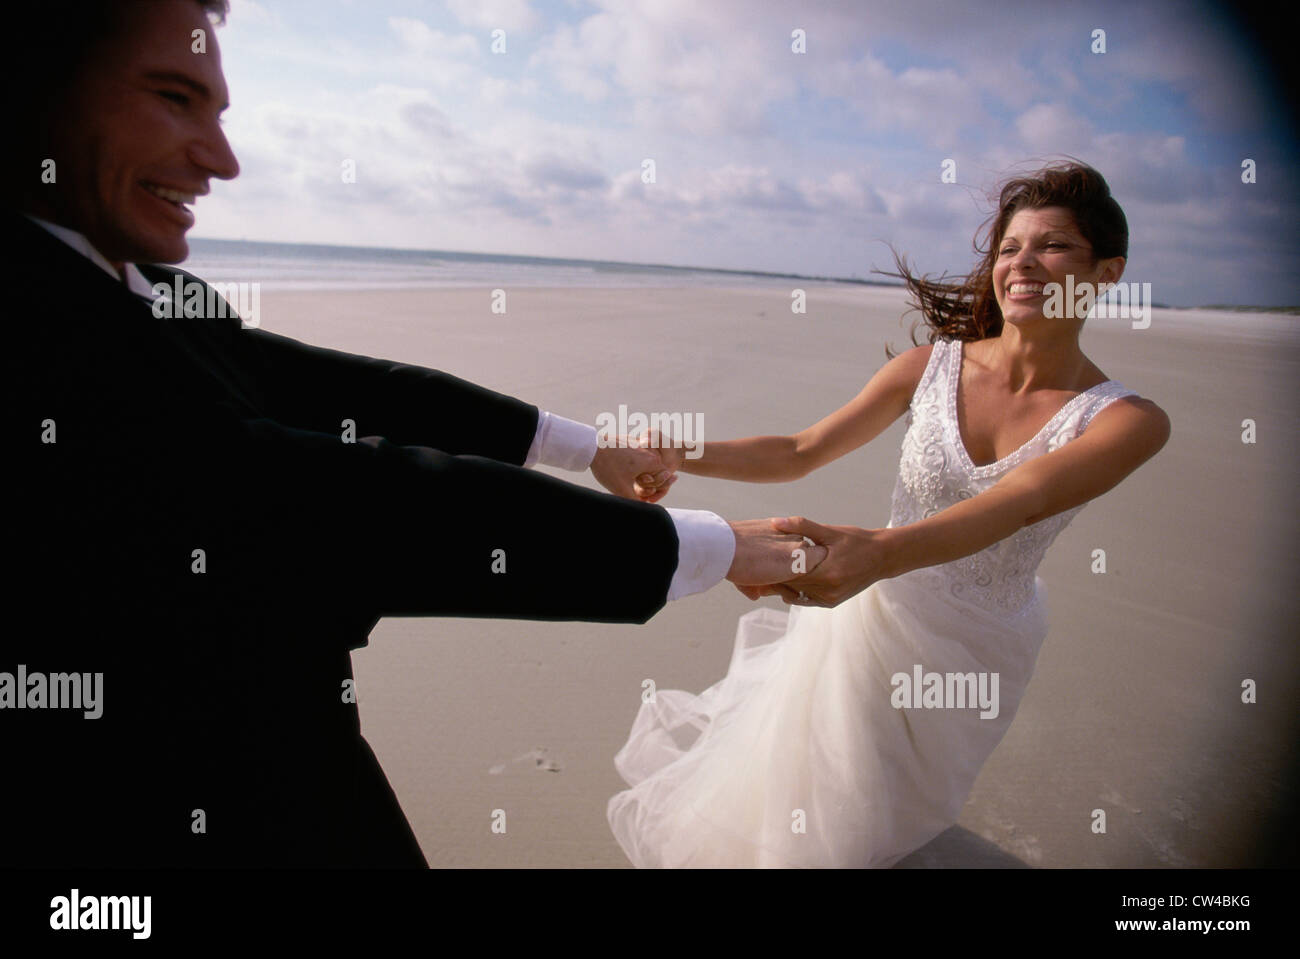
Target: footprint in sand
{"points": [[537, 758]]}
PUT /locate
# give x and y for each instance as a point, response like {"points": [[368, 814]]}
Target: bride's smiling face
{"points": [[1043, 246]]}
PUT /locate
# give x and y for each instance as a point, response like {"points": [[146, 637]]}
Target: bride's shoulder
{"points": [[1134, 421], [918, 357], [907, 368]]}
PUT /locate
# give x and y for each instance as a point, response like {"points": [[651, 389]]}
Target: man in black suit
{"points": [[199, 548]]}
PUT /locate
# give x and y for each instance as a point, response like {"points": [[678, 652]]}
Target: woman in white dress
{"points": [[850, 732]]}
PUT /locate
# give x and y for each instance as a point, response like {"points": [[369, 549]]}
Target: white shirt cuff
{"points": [[706, 547], [565, 444]]}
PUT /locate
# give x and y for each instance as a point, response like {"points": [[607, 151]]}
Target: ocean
{"points": [[305, 266]]}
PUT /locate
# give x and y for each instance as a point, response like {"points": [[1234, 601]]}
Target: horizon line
{"points": [[856, 281]]}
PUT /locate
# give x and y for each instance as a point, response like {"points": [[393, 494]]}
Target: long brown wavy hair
{"points": [[964, 308]]}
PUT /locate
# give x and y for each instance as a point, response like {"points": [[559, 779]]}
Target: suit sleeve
{"points": [[315, 388], [414, 531]]}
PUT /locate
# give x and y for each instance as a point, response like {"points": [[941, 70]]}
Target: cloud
{"points": [[495, 14], [935, 103], [250, 11], [683, 65], [418, 38], [1053, 128], [555, 171], [428, 120]]}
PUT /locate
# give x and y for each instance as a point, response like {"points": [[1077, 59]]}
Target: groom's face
{"points": [[139, 136]]}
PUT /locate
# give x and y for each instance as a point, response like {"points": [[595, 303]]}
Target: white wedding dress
{"points": [[798, 757]]}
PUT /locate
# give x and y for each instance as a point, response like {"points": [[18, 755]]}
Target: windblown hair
{"points": [[964, 308]]}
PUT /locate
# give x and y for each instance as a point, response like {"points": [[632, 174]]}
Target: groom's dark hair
{"points": [[46, 39]]}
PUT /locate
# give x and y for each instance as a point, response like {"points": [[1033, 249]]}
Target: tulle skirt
{"points": [[811, 752]]}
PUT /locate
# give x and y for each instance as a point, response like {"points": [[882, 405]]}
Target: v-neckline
{"points": [[954, 368]]}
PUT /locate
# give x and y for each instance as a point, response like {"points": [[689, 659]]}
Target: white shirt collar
{"points": [[135, 280]]}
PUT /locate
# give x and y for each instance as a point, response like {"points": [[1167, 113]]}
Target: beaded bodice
{"points": [[935, 472]]}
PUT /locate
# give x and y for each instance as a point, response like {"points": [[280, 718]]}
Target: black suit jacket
{"points": [[223, 689]]}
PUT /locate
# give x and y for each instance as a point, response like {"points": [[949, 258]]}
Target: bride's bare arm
{"points": [[779, 459], [1120, 438]]}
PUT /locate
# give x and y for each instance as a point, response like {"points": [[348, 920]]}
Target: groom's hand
{"points": [[765, 556], [633, 471], [651, 486], [858, 558]]}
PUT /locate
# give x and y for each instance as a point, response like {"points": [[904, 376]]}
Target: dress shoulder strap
{"points": [[934, 368], [1105, 394]]}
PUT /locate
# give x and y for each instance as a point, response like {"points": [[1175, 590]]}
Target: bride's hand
{"points": [[671, 453], [633, 471], [856, 558]]}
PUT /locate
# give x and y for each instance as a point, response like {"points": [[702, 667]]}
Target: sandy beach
{"points": [[1136, 704]]}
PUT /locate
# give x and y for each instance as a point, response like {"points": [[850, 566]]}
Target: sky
{"points": [[395, 123]]}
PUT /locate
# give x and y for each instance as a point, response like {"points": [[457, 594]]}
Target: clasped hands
{"points": [[803, 562]]}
